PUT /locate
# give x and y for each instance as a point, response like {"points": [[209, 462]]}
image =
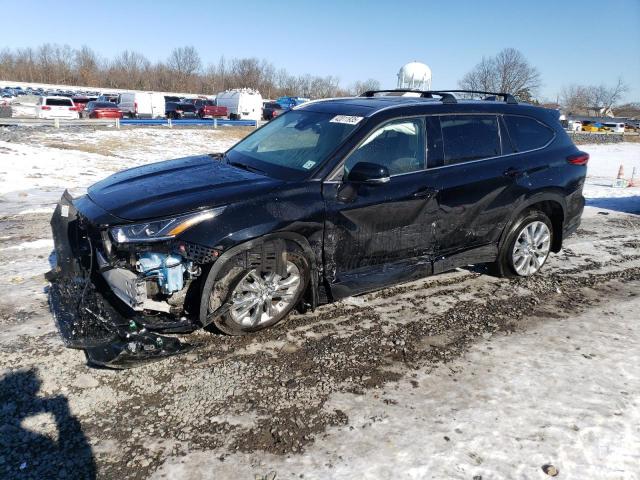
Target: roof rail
{"points": [[507, 97], [446, 97]]}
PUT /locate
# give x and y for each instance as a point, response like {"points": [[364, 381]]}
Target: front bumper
{"points": [[86, 315]]}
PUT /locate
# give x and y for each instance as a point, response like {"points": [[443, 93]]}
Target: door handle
{"points": [[513, 172], [425, 193]]}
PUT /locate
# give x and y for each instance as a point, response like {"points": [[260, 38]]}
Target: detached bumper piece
{"points": [[84, 316]]}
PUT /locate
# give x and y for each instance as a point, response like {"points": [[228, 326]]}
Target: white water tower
{"points": [[415, 75]]}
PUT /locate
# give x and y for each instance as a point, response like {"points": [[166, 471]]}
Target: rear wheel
{"points": [[527, 245], [258, 300]]}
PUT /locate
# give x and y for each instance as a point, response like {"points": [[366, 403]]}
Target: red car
{"points": [[102, 110], [208, 108], [81, 103]]}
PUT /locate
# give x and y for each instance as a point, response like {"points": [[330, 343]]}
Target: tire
{"points": [[526, 247], [132, 115], [264, 308]]}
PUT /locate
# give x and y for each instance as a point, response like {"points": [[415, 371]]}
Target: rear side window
{"points": [[59, 102], [469, 137], [527, 133]]}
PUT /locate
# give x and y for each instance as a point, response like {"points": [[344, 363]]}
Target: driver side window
{"points": [[397, 145]]}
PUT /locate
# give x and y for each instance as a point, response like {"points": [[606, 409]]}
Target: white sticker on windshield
{"points": [[64, 211], [348, 119], [308, 164]]}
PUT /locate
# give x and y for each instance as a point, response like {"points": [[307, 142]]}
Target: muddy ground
{"points": [[268, 393]]}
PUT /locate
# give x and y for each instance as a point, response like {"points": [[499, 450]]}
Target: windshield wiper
{"points": [[244, 166]]}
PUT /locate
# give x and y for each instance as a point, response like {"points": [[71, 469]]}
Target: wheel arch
{"points": [[551, 204], [220, 263]]}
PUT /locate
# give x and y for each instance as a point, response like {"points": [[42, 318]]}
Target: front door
{"points": [[381, 234]]}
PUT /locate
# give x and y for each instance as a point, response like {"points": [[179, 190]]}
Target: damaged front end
{"points": [[113, 295]]}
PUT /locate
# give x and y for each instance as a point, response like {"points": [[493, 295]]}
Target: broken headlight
{"points": [[159, 230]]}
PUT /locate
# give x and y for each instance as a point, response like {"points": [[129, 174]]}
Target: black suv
{"points": [[177, 110], [331, 199]]}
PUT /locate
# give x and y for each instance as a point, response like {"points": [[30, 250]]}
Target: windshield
{"points": [[297, 141]]}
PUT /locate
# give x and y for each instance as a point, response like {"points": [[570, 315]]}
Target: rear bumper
{"points": [[84, 311]]}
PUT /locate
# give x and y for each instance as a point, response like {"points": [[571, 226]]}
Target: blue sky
{"points": [[588, 41]]}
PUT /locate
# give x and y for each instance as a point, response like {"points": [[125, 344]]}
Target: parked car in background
{"points": [[242, 103], [81, 102], [593, 127], [632, 126], [176, 111], [615, 127], [271, 110], [289, 102], [142, 105], [97, 109], [208, 108], [108, 97], [574, 125], [56, 107]]}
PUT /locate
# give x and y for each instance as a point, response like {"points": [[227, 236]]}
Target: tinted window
{"points": [[527, 133], [398, 145], [186, 107], [102, 105], [59, 102], [469, 137]]}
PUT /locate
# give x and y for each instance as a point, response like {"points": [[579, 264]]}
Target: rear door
{"points": [[477, 184], [381, 234]]}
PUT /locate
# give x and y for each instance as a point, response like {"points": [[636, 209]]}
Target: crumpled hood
{"points": [[176, 186]]}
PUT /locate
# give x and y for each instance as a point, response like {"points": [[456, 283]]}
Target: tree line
{"points": [[508, 71], [183, 71]]}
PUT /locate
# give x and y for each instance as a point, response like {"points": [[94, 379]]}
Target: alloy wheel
{"points": [[259, 298], [531, 248]]}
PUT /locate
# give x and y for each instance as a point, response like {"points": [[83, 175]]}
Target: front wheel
{"points": [[258, 300], [527, 245]]}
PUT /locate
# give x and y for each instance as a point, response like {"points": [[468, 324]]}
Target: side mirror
{"points": [[369, 173]]}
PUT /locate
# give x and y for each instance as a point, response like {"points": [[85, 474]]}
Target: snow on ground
{"points": [[602, 170]]}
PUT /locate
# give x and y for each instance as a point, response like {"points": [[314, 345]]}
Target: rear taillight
{"points": [[135, 106], [45, 107], [581, 158], [74, 109]]}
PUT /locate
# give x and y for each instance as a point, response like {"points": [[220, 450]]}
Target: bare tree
{"points": [[591, 99], [363, 86], [185, 62], [509, 72], [86, 66]]}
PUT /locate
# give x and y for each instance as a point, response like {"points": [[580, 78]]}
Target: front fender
{"points": [[206, 318]]}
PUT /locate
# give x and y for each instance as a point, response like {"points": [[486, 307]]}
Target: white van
{"points": [[56, 107], [142, 105], [615, 127], [241, 103]]}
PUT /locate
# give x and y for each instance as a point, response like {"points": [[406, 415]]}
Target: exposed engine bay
{"points": [[159, 282], [150, 282]]}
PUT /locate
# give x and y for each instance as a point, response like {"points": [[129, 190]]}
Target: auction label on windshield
{"points": [[348, 119]]}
